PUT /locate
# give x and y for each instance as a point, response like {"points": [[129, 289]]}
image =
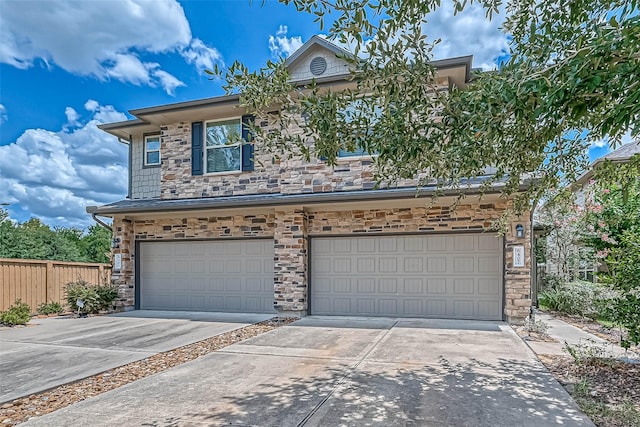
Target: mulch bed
{"points": [[21, 410], [613, 382]]}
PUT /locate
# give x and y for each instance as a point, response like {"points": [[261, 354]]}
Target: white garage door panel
{"points": [[231, 276], [444, 276]]}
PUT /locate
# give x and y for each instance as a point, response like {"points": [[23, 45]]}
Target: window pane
{"points": [[358, 152], [223, 159], [223, 133], [153, 158], [153, 144]]}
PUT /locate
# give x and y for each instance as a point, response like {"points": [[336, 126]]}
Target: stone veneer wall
{"points": [[183, 228], [287, 176], [291, 228], [290, 261]]}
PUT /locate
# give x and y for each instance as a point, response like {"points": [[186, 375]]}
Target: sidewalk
{"points": [[563, 333]]}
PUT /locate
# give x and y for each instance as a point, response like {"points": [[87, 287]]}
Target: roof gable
{"points": [[317, 58]]}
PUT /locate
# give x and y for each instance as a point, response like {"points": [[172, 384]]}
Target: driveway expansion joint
{"points": [[349, 372]]}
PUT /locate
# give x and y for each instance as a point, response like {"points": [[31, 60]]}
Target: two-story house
{"points": [[213, 226]]}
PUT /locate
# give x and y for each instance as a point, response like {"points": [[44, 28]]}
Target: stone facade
{"points": [[292, 227], [290, 176], [145, 180], [290, 255]]}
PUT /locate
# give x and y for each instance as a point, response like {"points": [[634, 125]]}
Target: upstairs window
{"points": [[222, 150], [364, 115], [152, 150]]}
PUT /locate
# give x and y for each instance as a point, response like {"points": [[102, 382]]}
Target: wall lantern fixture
{"points": [[520, 231], [115, 243]]}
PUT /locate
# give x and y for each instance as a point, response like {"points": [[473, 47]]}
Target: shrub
{"points": [[538, 327], [106, 295], [50, 308], [590, 352], [552, 281], [17, 314], [584, 299], [94, 297]]}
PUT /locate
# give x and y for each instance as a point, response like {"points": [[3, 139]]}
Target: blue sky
{"points": [[66, 66]]}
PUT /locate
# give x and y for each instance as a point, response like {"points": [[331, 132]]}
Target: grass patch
{"points": [[603, 414]]}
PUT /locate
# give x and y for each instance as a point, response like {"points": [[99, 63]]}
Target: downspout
{"points": [[129, 144], [532, 254]]}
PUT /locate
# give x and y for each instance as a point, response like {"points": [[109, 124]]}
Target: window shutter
{"points": [[247, 148], [196, 148]]}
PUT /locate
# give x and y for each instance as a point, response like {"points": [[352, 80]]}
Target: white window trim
{"points": [[205, 148], [363, 156], [145, 151]]}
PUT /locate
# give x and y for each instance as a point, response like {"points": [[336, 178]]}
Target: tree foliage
{"points": [[611, 226], [572, 77], [34, 240]]}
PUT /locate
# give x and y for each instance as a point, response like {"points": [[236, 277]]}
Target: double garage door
{"points": [[230, 276], [456, 276]]}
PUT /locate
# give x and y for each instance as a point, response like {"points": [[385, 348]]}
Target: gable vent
{"points": [[318, 65]]}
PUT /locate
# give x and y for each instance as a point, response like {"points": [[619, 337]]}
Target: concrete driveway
{"points": [[346, 371], [59, 350]]}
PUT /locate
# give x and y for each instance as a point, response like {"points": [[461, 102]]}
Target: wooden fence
{"points": [[36, 281]]}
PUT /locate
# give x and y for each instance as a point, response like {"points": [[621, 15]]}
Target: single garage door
{"points": [[231, 276], [441, 276]]}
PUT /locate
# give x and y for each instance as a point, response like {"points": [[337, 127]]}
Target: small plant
{"points": [[589, 352], [18, 314], [552, 281], [536, 327], [50, 308], [92, 298], [579, 298], [106, 295], [582, 388]]}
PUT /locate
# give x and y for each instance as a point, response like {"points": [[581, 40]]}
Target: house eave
{"points": [[278, 199]]}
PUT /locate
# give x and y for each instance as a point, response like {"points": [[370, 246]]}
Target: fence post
{"points": [[49, 281], [100, 274]]}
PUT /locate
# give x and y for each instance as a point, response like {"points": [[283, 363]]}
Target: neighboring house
{"points": [[215, 227], [572, 260]]}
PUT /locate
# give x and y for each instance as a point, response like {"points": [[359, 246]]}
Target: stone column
{"points": [[518, 279], [290, 262], [124, 278]]}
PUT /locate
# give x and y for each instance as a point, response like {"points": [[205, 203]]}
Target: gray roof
{"points": [[277, 199], [624, 152], [621, 154]]}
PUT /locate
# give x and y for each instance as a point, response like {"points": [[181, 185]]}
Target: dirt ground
{"points": [[607, 390]]}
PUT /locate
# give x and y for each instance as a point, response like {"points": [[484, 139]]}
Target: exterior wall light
{"points": [[520, 231], [115, 243]]}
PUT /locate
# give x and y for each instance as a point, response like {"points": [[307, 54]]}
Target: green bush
{"points": [[584, 299], [552, 281], [50, 308], [17, 314], [94, 297]]}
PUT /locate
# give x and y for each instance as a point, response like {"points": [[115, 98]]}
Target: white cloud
{"points": [[72, 116], [281, 45], [3, 114], [104, 39], [605, 142], [169, 83], [467, 33], [55, 175], [91, 105], [201, 55]]}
